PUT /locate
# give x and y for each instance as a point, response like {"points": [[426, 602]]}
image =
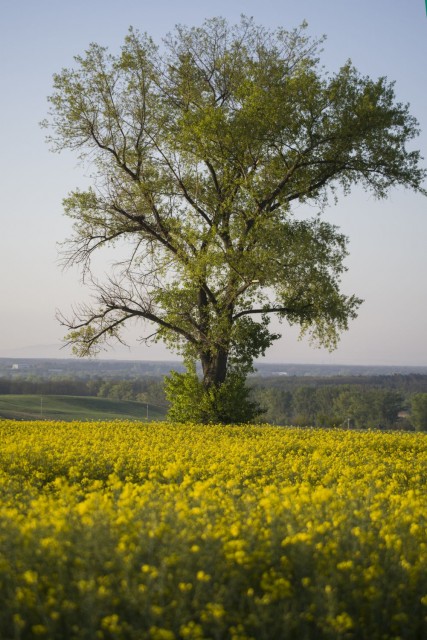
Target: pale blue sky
{"points": [[387, 262]]}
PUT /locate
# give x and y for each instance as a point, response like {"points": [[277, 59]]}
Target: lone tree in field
{"points": [[199, 152]]}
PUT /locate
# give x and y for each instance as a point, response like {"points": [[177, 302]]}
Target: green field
{"points": [[35, 407]]}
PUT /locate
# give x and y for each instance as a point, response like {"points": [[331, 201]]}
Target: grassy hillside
{"points": [[34, 407]]}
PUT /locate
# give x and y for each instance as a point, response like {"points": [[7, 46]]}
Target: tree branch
{"points": [[281, 310]]}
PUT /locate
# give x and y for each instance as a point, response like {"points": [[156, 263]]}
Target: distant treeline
{"points": [[349, 401], [405, 383], [333, 406]]}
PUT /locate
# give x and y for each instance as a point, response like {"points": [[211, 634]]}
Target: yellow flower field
{"points": [[161, 531]]}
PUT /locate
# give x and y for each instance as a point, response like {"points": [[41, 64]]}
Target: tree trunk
{"points": [[214, 366]]}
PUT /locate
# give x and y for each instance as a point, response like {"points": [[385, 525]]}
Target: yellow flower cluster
{"points": [[126, 530]]}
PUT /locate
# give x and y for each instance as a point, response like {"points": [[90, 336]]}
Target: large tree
{"points": [[199, 151]]}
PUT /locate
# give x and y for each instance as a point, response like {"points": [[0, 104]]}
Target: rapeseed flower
{"points": [[125, 530]]}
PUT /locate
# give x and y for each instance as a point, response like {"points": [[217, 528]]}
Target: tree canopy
{"points": [[199, 151]]}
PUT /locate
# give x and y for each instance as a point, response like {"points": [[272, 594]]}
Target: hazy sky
{"points": [[387, 262]]}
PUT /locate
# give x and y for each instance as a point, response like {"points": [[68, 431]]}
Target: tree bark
{"points": [[214, 366]]}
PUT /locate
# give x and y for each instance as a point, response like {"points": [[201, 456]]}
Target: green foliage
{"points": [[419, 411], [226, 403], [368, 407], [336, 405], [276, 404], [199, 155], [249, 341]]}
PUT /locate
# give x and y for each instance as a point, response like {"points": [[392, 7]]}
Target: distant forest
{"points": [[382, 402], [361, 401]]}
